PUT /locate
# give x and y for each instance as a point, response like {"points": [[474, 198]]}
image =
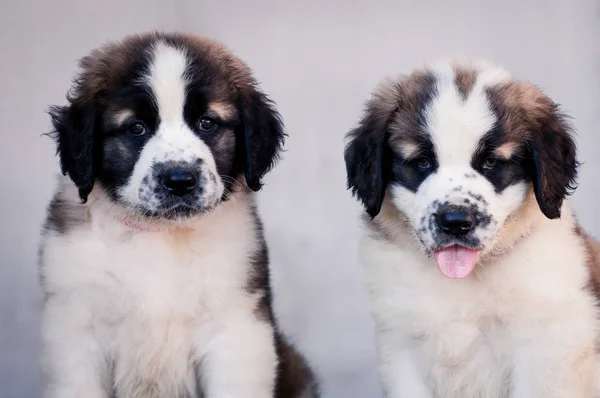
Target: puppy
{"points": [[482, 284], [153, 257]]}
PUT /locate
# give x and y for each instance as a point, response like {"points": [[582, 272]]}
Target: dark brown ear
{"points": [[76, 125], [74, 134], [365, 156], [554, 158], [261, 132]]}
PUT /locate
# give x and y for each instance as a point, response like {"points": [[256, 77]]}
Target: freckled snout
{"points": [[180, 188], [179, 179], [450, 223]]}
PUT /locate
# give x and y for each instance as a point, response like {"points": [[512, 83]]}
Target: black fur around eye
{"points": [[423, 163], [206, 124], [490, 163], [137, 129]]}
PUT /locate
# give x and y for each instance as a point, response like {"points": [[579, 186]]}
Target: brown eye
{"points": [[423, 164], [137, 129], [207, 124], [490, 163]]}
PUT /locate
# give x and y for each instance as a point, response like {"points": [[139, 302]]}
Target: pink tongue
{"points": [[456, 262]]}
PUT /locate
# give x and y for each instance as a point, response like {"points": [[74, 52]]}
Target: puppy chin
{"points": [[182, 211], [178, 214], [173, 213]]}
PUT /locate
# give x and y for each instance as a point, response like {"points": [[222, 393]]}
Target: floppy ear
{"points": [[554, 160], [74, 128], [262, 134], [366, 156]]}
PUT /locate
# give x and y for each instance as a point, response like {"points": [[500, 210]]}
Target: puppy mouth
{"points": [[180, 211], [456, 261]]}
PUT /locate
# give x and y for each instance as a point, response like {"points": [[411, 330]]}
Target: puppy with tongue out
{"points": [[458, 167]]}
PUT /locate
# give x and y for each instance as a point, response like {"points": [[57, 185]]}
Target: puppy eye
{"points": [[137, 129], [207, 124], [423, 163], [490, 163]]}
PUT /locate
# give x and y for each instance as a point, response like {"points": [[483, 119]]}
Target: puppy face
{"points": [[457, 149], [167, 125]]}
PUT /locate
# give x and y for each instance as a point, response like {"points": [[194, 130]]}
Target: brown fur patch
{"points": [[64, 216], [465, 79], [104, 66], [522, 109], [239, 72], [402, 102], [513, 104], [295, 378]]}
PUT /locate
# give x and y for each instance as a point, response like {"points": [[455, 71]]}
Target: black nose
{"points": [[179, 182], [455, 222]]}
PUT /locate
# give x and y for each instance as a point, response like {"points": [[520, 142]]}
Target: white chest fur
{"points": [[484, 335], [148, 302]]}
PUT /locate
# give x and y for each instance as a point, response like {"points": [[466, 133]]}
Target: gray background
{"points": [[318, 60]]}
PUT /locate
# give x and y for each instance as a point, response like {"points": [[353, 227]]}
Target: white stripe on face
{"points": [[457, 125]]}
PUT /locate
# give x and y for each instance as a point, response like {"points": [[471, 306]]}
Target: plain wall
{"points": [[318, 60]]}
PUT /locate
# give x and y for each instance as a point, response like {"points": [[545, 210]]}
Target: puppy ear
{"points": [[262, 134], [554, 159], [366, 156], [74, 128]]}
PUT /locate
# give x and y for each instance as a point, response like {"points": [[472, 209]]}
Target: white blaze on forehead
{"points": [[444, 73], [456, 125], [174, 140], [166, 80]]}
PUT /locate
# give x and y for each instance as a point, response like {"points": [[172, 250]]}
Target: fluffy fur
{"points": [[470, 138], [153, 257]]}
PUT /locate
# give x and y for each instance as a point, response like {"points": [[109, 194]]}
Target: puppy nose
{"points": [[455, 222], [179, 182]]}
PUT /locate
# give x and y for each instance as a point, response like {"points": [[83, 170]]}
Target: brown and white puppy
{"points": [[153, 258], [481, 282]]}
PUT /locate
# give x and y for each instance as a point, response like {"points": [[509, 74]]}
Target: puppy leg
{"points": [[73, 363], [240, 360], [400, 375]]}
